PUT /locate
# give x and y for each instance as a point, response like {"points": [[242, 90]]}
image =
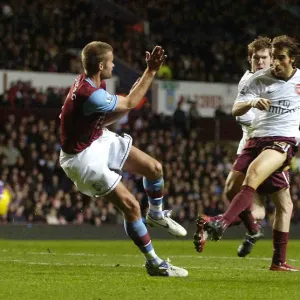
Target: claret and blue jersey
{"points": [[82, 114]]}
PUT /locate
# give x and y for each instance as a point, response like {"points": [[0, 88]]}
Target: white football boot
{"points": [[166, 222], [166, 269]]}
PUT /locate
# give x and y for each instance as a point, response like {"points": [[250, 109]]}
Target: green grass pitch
{"points": [[94, 270]]}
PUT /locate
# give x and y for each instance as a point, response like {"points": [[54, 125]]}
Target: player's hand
{"points": [[156, 58], [261, 103]]}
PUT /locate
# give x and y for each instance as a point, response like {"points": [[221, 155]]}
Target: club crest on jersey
{"points": [[298, 88], [244, 90]]}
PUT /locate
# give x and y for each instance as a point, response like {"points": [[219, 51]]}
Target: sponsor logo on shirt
{"points": [[244, 90]]}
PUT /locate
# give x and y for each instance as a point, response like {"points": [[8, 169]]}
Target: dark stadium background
{"points": [[196, 151]]}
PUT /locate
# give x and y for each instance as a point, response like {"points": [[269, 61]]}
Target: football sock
{"points": [[237, 221], [249, 222], [280, 241], [138, 232], [240, 202], [154, 191]]}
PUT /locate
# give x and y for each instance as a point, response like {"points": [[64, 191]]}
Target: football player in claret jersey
{"points": [[275, 93], [93, 157]]}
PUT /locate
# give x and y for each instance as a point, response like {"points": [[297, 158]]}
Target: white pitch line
{"points": [[114, 265], [136, 255]]}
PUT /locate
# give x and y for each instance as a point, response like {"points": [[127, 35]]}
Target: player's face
{"points": [[260, 59], [108, 66], [282, 63]]}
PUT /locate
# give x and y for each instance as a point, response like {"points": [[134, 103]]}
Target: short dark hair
{"points": [[284, 41], [92, 55], [260, 43]]}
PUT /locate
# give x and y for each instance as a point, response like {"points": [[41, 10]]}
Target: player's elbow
{"points": [[124, 104], [130, 103], [235, 112]]}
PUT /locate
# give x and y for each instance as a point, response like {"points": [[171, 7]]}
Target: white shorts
{"points": [[96, 170]]}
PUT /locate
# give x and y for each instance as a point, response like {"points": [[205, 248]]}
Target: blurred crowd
{"points": [[47, 36], [42, 35], [38, 190], [23, 95]]}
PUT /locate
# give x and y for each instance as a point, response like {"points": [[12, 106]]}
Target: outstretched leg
{"points": [[232, 187], [137, 231], [259, 170], [141, 163]]}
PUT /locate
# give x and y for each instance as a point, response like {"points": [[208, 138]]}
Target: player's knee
{"points": [[156, 169], [251, 178], [285, 208]]}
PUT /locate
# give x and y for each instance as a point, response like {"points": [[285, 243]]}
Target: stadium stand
{"points": [[194, 171], [51, 41], [39, 42]]}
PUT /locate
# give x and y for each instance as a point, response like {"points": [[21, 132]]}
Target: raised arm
{"points": [[100, 101], [154, 61], [114, 116]]}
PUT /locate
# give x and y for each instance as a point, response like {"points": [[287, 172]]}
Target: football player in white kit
{"points": [[259, 57], [275, 92]]}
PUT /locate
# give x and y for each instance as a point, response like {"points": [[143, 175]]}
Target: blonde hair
{"points": [[92, 55]]}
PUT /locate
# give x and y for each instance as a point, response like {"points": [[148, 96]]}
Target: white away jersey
{"points": [[249, 115], [283, 116], [246, 119]]}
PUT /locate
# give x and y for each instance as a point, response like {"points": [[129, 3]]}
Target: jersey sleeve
{"points": [[250, 90], [247, 118], [100, 101]]}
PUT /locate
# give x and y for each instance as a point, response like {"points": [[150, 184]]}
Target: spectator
{"points": [[193, 115], [195, 173], [11, 152], [179, 119], [220, 112], [44, 44]]}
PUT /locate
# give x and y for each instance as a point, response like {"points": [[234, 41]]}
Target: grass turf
{"points": [[95, 270]]}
